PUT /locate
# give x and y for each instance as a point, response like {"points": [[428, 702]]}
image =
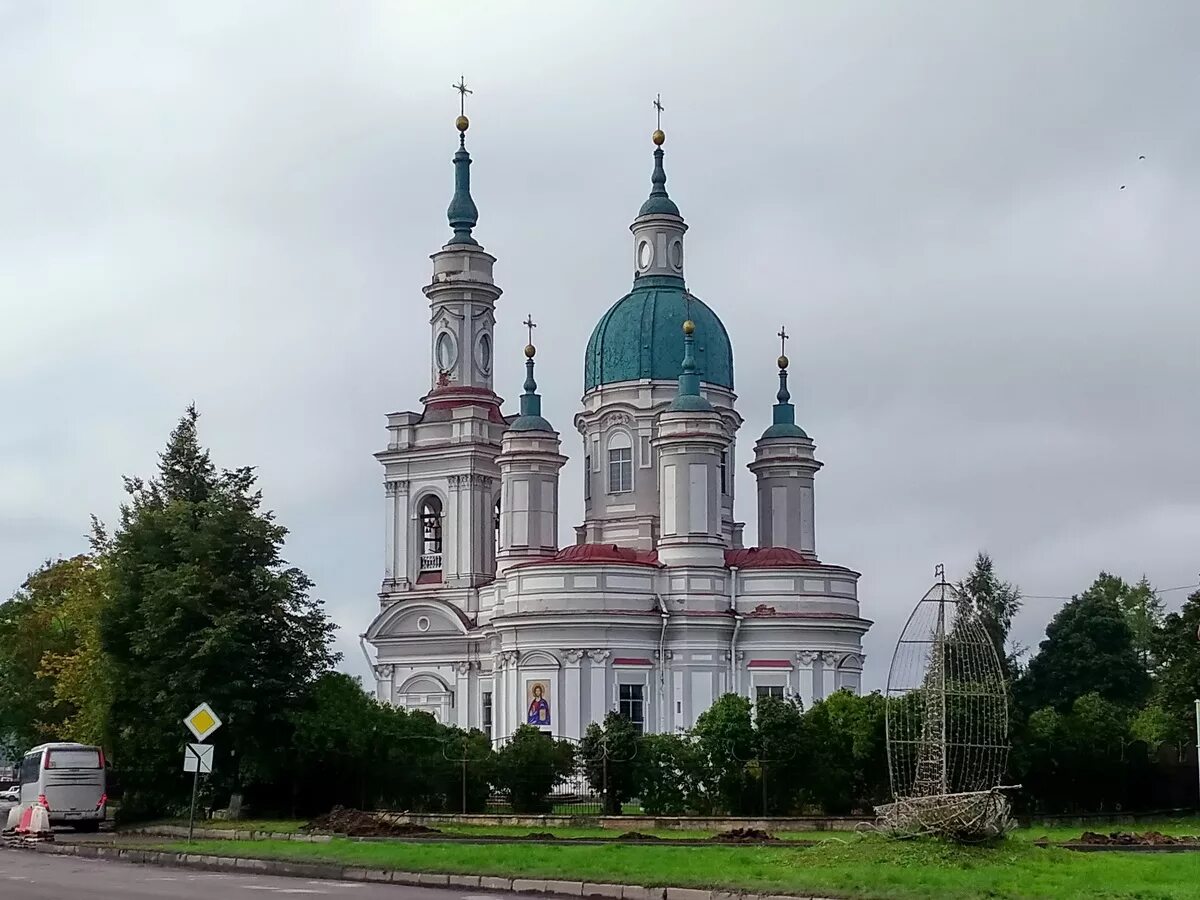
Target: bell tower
{"points": [[441, 478]]}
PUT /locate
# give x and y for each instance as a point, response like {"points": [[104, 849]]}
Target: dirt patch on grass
{"points": [[638, 836], [356, 823], [743, 836], [1134, 839]]}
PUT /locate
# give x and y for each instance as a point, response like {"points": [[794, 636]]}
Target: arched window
{"points": [[620, 463], [496, 525], [431, 534]]}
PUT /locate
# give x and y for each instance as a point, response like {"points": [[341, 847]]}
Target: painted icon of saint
{"points": [[539, 707]]}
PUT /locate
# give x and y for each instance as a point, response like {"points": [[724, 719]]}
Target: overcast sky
{"points": [[995, 346]]}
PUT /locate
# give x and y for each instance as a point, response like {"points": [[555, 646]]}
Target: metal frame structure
{"points": [[947, 723]]}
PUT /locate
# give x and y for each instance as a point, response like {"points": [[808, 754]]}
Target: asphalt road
{"points": [[36, 876]]}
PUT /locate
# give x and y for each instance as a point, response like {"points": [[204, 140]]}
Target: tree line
{"points": [[188, 597]]}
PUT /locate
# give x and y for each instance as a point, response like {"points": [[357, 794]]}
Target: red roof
{"points": [[748, 558], [597, 554], [768, 558]]}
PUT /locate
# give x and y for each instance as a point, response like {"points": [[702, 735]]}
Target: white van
{"points": [[67, 779]]}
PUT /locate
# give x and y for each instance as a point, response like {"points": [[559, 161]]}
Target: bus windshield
{"points": [[74, 759]]}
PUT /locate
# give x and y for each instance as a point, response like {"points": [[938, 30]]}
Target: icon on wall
{"points": [[539, 703]]}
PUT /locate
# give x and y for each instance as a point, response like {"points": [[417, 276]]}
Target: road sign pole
{"points": [[192, 818]]}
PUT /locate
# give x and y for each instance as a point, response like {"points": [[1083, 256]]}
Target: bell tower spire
{"points": [[462, 295], [462, 213], [659, 228], [529, 461], [784, 466]]}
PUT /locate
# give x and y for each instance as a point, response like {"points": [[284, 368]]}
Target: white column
{"points": [[400, 528], [828, 673], [805, 660], [572, 722], [597, 675], [462, 694], [499, 720], [389, 540]]}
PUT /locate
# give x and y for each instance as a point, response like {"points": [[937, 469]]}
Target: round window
{"points": [[445, 351], [645, 255], [483, 354], [423, 623], [677, 254]]}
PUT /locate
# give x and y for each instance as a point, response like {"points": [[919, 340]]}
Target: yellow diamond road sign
{"points": [[202, 722]]}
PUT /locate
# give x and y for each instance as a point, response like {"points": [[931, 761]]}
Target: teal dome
{"points": [[638, 338]]}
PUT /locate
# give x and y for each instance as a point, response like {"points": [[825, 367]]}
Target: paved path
{"points": [[37, 876]]}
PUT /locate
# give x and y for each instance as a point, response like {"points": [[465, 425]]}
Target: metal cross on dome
{"points": [[463, 90], [658, 111], [530, 325], [783, 338]]}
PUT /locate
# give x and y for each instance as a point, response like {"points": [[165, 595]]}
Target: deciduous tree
{"points": [[1088, 649]]}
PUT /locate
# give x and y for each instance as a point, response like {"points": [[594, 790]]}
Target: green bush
{"points": [[528, 767]]}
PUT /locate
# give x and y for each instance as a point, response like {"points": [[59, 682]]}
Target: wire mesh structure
{"points": [[947, 723]]}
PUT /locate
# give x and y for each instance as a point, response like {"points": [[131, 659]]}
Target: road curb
{"points": [[334, 872]]}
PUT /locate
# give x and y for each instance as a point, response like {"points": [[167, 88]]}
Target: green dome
{"points": [[638, 338]]}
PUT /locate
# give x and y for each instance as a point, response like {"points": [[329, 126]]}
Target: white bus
{"points": [[68, 780]]}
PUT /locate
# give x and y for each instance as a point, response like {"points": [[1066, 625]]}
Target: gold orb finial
{"points": [[689, 326], [530, 351], [462, 123], [783, 362], [658, 137]]}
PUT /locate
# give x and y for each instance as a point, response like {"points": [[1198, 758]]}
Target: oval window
{"points": [[445, 351], [483, 354], [677, 254], [645, 255]]}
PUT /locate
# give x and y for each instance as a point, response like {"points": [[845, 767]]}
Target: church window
{"points": [[587, 478], [431, 534], [487, 712], [768, 690], [484, 354], [620, 464], [632, 705], [496, 526], [445, 351], [724, 467]]}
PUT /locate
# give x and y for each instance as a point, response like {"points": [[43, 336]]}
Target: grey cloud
{"points": [[994, 347]]}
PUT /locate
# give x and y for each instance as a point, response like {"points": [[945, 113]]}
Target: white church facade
{"points": [[657, 609]]}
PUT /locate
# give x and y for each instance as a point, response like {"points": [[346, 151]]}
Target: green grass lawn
{"points": [[278, 826], [1064, 833], [852, 866]]}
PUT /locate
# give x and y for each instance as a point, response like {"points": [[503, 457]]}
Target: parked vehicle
{"points": [[12, 794], [69, 781]]}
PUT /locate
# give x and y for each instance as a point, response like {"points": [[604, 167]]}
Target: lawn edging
{"points": [[334, 872], [224, 834]]}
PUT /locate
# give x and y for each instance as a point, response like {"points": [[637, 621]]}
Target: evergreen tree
{"points": [[204, 608], [1089, 648], [1176, 648], [997, 603], [1144, 613]]}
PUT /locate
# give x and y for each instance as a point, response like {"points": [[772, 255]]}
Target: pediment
{"points": [[421, 618]]}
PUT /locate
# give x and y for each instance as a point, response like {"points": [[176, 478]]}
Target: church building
{"points": [[657, 608]]}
